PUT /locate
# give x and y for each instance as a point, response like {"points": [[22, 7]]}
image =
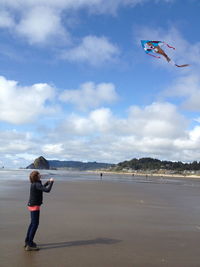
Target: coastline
{"points": [[149, 174], [105, 171]]}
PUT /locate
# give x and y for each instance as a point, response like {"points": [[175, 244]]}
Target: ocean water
{"points": [[8, 176]]}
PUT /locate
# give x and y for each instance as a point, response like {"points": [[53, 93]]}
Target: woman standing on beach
{"points": [[35, 201]]}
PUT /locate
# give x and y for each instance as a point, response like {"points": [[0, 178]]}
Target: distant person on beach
{"points": [[101, 175], [35, 201]]}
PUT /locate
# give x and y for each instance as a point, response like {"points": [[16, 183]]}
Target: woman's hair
{"points": [[34, 176]]}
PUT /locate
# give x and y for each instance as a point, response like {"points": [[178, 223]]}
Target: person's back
{"points": [[36, 192], [34, 203]]}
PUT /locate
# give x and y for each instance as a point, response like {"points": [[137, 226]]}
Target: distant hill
{"points": [[42, 163], [133, 164], [156, 164], [79, 165]]}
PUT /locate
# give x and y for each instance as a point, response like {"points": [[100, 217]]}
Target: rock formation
{"points": [[39, 163]]}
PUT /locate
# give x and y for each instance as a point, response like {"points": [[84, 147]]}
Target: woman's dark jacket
{"points": [[36, 192]]}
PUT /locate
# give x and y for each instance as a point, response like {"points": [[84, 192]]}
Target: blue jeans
{"points": [[35, 216]]}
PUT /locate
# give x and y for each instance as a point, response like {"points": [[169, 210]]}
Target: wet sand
{"points": [[103, 224]]}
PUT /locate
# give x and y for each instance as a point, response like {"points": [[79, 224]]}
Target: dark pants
{"points": [[35, 216]]}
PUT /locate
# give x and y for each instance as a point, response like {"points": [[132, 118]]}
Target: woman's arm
{"points": [[45, 188], [47, 183]]}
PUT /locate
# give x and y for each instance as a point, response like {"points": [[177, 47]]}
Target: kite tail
{"points": [[153, 55], [179, 66], [182, 66], [169, 45]]}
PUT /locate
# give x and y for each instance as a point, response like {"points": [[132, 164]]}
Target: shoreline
{"points": [[20, 174], [148, 174], [15, 172]]}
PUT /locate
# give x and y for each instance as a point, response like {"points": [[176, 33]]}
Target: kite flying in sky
{"points": [[154, 47]]}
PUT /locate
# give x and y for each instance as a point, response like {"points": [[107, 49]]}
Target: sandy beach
{"points": [[103, 224]]}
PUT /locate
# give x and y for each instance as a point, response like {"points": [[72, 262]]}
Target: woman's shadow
{"points": [[103, 241]]}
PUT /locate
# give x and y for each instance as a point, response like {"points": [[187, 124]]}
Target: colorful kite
{"points": [[154, 47]]}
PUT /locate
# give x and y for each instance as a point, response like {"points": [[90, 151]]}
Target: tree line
{"points": [[156, 164]]}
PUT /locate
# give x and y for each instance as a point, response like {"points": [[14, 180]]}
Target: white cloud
{"points": [[39, 28], [100, 5], [98, 121], [53, 149], [6, 21], [154, 130], [157, 130], [93, 50], [27, 156], [187, 88], [20, 148], [23, 104], [90, 95], [158, 120], [37, 20], [14, 142]]}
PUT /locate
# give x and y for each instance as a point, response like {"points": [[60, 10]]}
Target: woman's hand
{"points": [[51, 180]]}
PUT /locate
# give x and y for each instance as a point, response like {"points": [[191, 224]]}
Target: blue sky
{"points": [[75, 83]]}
